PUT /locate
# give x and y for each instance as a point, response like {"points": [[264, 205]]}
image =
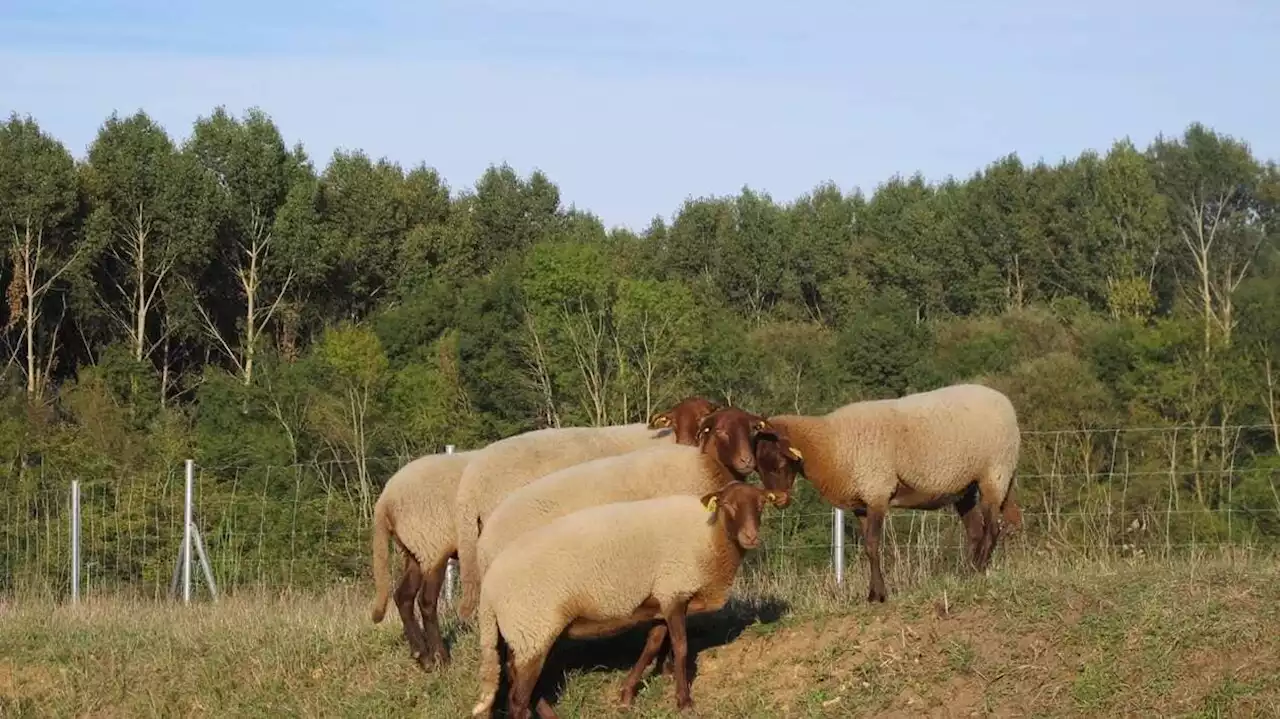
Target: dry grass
{"points": [[1038, 636]]}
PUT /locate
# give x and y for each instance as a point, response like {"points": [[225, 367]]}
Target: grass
{"points": [[1037, 637]]}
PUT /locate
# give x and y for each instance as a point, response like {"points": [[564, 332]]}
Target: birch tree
{"points": [[151, 216], [254, 171], [38, 206], [1212, 184]]}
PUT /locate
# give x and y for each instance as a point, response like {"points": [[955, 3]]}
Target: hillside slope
{"points": [[1187, 639]]}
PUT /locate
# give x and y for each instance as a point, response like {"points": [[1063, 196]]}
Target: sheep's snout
{"points": [[744, 464], [748, 538]]}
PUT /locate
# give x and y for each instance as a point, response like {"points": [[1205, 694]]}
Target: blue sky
{"points": [[632, 107]]}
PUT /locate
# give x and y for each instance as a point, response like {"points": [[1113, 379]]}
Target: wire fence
{"points": [[1113, 492]]}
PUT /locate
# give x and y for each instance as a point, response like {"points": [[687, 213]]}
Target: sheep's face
{"points": [[730, 434], [777, 462], [739, 506], [684, 419]]}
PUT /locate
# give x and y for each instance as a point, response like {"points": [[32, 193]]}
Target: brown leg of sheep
{"points": [[406, 593], [524, 676], [680, 653], [872, 529], [971, 516], [991, 520], [651, 646], [428, 601]]}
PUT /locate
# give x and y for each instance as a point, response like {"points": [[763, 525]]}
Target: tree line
{"points": [[225, 298]]}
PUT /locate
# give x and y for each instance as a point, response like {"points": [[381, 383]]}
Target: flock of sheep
{"points": [[588, 531]]}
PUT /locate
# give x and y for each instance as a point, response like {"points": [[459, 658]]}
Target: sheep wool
{"points": [[914, 451], [416, 509], [508, 464], [599, 571], [642, 474]]}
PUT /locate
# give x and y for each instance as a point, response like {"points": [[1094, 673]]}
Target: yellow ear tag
{"points": [[711, 505], [795, 453], [772, 497]]}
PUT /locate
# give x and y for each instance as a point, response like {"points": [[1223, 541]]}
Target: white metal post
{"points": [[451, 566], [75, 541], [837, 545], [186, 533]]}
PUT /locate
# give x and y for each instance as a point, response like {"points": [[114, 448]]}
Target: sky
{"points": [[632, 107]]}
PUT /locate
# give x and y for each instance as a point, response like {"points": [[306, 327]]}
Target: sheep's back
{"points": [[515, 461], [640, 474], [951, 436]]}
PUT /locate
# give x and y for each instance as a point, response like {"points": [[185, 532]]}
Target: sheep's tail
{"points": [[490, 666], [1010, 511], [381, 570]]}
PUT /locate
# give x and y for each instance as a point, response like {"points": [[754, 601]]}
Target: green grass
{"points": [[1048, 637]]}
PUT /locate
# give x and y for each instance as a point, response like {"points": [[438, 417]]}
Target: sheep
{"points": [[726, 451], [604, 569], [416, 508], [508, 464], [957, 445]]}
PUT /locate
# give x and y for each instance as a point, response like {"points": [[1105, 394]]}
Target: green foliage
{"points": [[303, 332]]}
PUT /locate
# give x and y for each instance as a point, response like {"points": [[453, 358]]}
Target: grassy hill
{"points": [[1038, 636]]}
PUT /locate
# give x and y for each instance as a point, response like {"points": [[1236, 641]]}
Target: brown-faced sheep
{"points": [[508, 464], [726, 451], [416, 509], [604, 569], [957, 445]]}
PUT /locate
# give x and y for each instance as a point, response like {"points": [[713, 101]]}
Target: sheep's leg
{"points": [[680, 653], [406, 593], [971, 516], [524, 677], [428, 603], [990, 512], [653, 643], [872, 529]]}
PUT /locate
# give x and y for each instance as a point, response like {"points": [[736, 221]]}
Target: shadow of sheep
{"points": [[621, 651]]}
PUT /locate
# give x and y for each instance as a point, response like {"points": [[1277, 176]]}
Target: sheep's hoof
{"points": [[684, 705], [624, 700]]}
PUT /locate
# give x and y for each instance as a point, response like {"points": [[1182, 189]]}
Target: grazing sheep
{"points": [[416, 509], [508, 464], [957, 445], [604, 569], [726, 451]]}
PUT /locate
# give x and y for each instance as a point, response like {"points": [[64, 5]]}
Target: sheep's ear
{"points": [[710, 502]]}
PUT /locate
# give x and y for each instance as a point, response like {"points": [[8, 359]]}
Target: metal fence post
{"points": [[186, 533], [837, 544], [75, 541], [451, 566]]}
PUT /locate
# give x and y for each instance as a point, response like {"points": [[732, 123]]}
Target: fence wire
{"points": [[307, 525]]}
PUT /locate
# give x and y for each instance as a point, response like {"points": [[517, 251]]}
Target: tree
{"points": [[352, 360], [152, 215], [38, 206], [254, 172], [1212, 182]]}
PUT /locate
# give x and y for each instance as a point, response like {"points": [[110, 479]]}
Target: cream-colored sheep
{"points": [[508, 464], [726, 453], [603, 569], [957, 445], [416, 509]]}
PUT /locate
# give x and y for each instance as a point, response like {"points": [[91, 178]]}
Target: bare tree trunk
{"points": [[28, 259]]}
